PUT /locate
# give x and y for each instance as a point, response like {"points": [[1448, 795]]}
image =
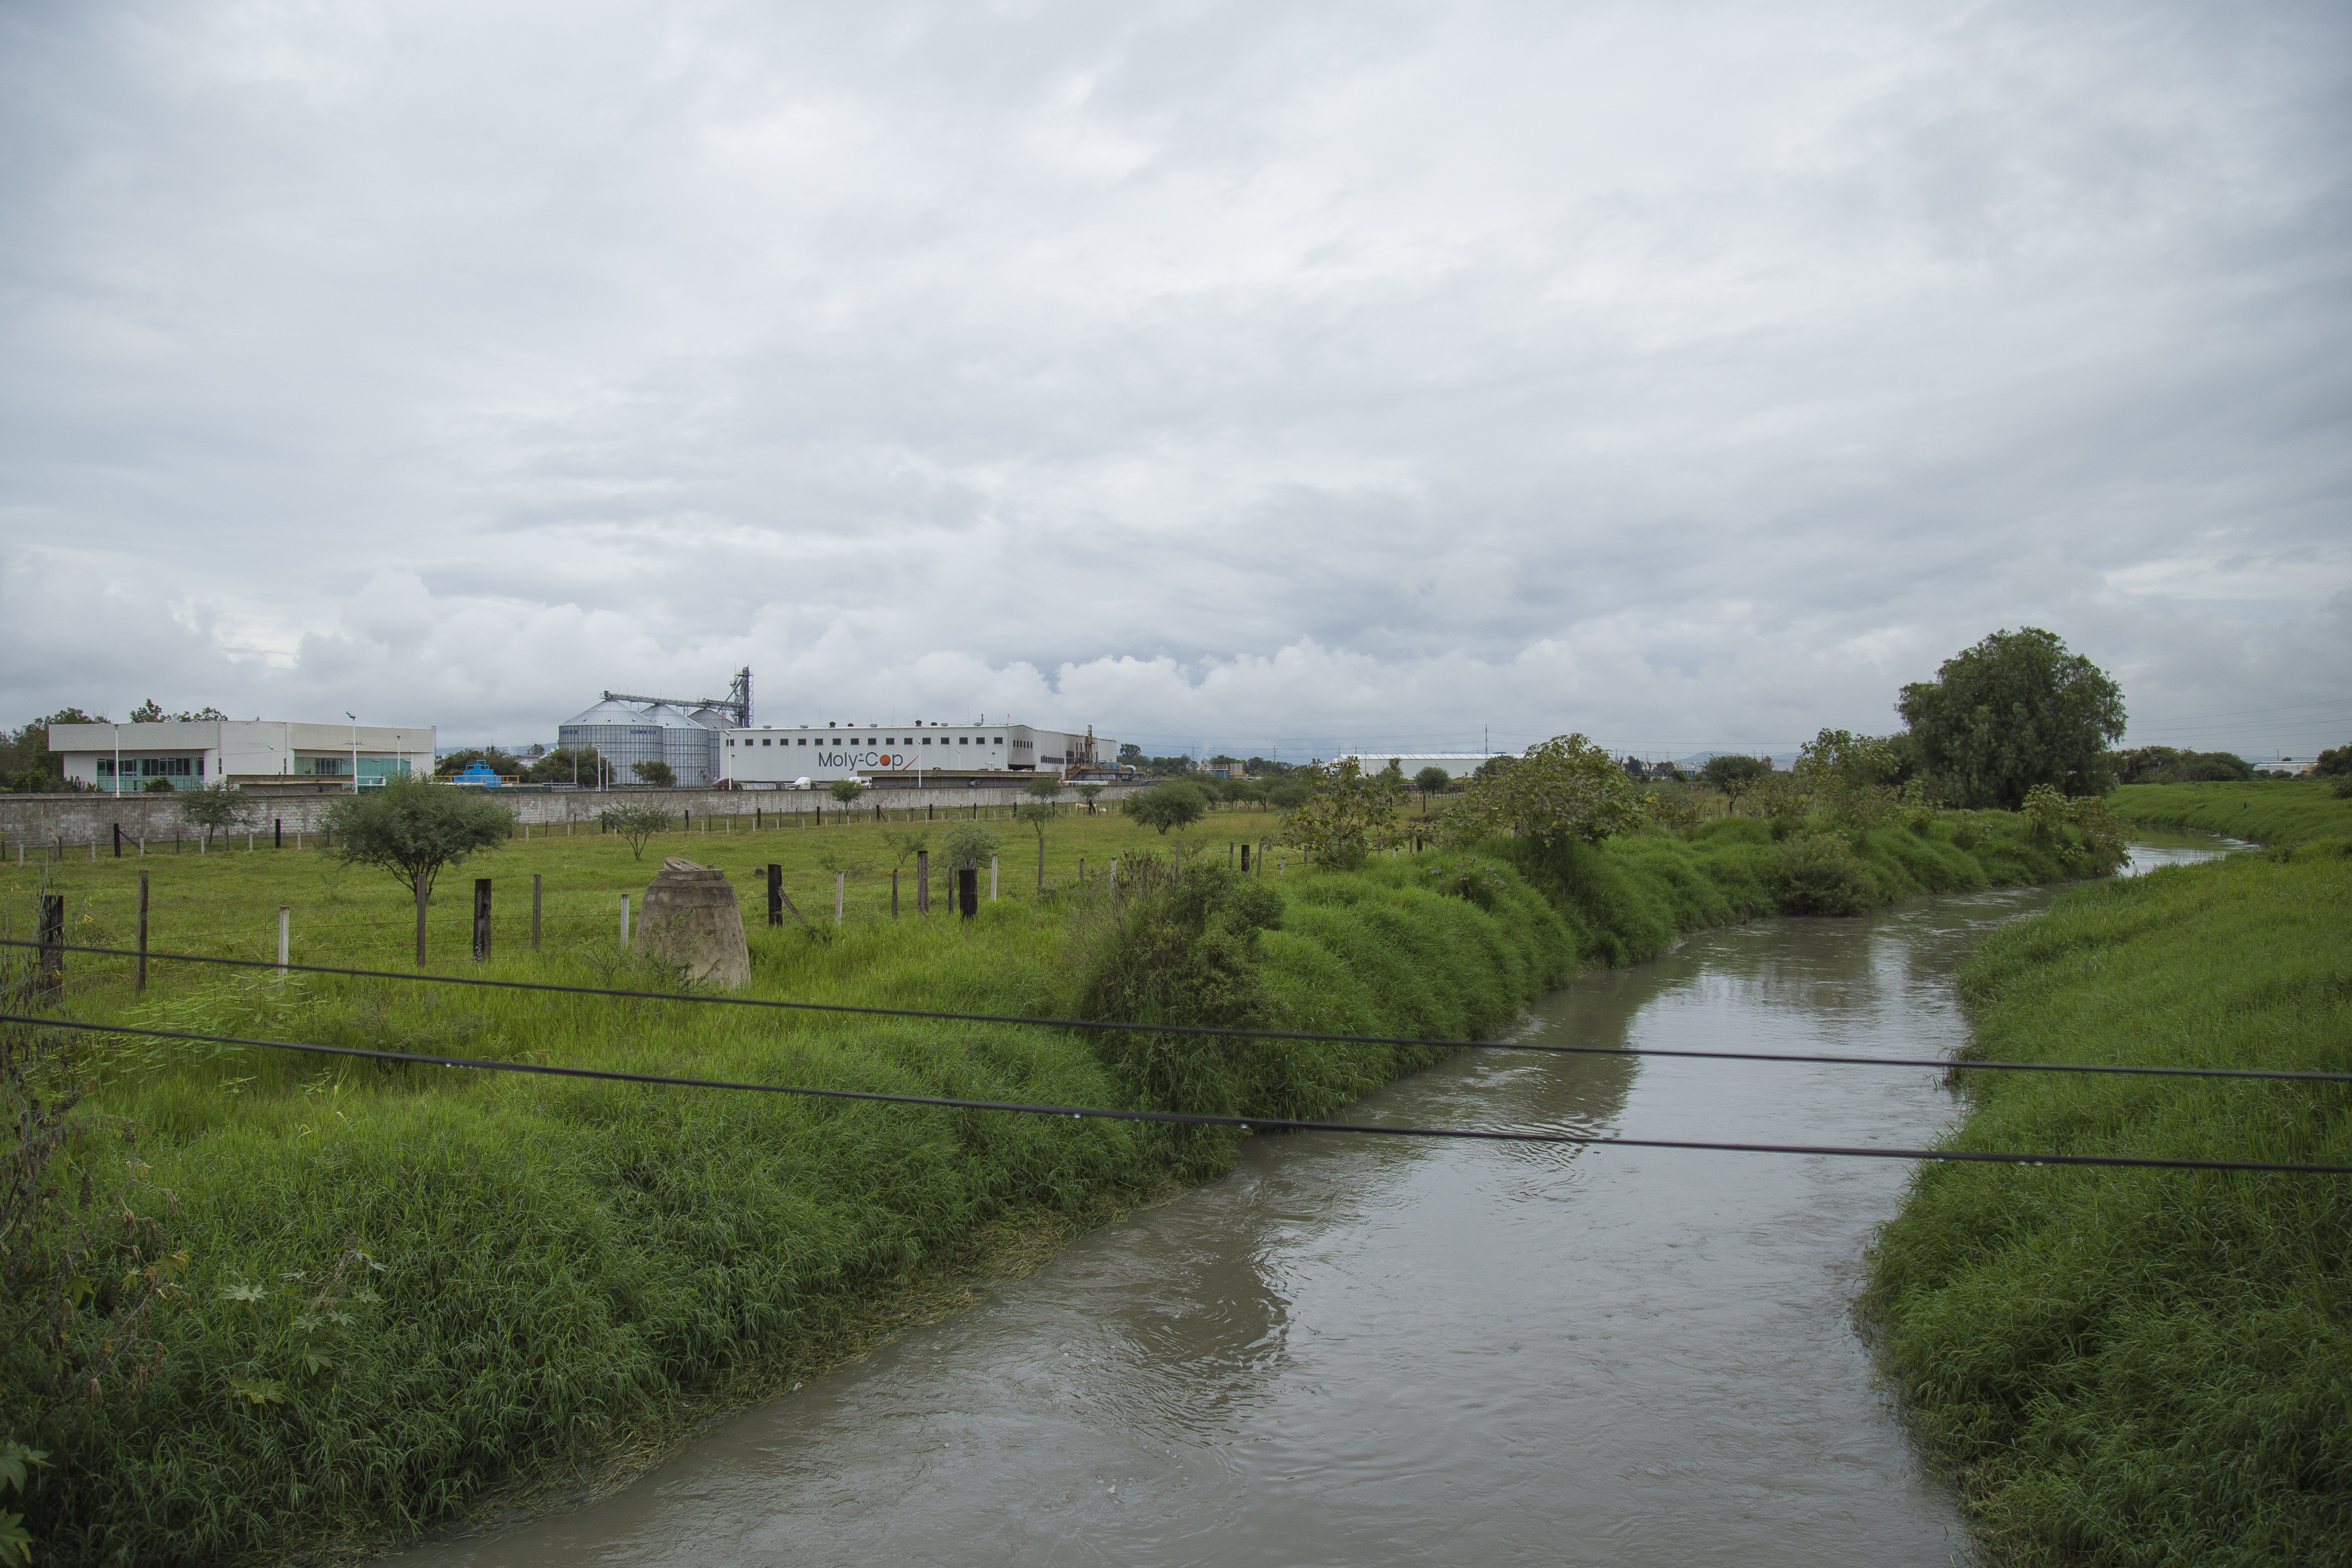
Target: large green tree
{"points": [[2016, 710], [411, 829]]}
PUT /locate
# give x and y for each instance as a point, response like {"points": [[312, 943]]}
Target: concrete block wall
{"points": [[39, 821]]}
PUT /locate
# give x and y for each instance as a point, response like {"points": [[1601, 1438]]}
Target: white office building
{"points": [[777, 755], [191, 753]]}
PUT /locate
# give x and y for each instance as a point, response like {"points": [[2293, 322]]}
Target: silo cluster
{"points": [[625, 733]]}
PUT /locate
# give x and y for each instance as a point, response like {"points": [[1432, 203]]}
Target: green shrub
{"points": [[1821, 875]]}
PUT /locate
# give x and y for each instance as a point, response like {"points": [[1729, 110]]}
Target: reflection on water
{"points": [[1356, 1350]]}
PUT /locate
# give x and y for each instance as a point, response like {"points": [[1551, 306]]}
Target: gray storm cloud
{"points": [[1235, 375]]}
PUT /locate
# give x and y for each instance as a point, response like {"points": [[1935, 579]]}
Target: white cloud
{"points": [[1215, 375]]}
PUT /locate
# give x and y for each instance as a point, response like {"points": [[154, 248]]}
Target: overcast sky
{"points": [[1222, 375]]}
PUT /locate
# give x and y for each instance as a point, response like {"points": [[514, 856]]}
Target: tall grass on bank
{"points": [[407, 1284], [2267, 811], [2134, 1366]]}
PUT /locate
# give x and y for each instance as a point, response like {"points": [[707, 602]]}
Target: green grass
{"points": [[2266, 811], [560, 1259], [2142, 1367]]}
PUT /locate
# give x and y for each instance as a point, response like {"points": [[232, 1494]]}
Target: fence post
{"points": [[1040, 864], [923, 881], [625, 920], [991, 878], [420, 920], [840, 894], [535, 891], [277, 833], [481, 919], [776, 894], [118, 841], [894, 892], [968, 888], [285, 920], [1245, 860], [53, 946]]}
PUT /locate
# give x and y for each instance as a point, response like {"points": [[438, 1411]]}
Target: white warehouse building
{"points": [[118, 759], [773, 756]]}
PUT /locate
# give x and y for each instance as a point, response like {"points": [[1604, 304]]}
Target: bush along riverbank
{"points": [[2266, 811], [352, 1297], [2133, 1366]]}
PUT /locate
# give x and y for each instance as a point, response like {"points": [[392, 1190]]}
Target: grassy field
{"points": [[2269, 811], [2127, 1366], [549, 1260]]}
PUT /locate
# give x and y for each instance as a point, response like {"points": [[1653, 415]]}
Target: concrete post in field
{"points": [[840, 894], [420, 920], [277, 833], [991, 878], [968, 888], [140, 984], [692, 919], [1041, 865], [1114, 876], [536, 892], [923, 881], [776, 894], [625, 920], [285, 923], [481, 919], [52, 982]]}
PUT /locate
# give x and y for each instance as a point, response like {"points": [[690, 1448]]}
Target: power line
{"points": [[1195, 1119], [1941, 1064]]}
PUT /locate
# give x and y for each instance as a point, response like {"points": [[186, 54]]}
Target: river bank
{"points": [[2265, 811], [556, 1260], [2127, 1366]]}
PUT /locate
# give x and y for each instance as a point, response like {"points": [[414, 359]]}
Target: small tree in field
{"points": [[1045, 788], [1559, 790], [1175, 804], [1431, 780], [1347, 813], [213, 806], [1088, 793], [634, 823], [410, 829], [654, 771]]}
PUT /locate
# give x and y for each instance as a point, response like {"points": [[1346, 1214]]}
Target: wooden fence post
{"points": [[923, 880], [894, 892], [968, 888], [481, 919], [141, 985], [420, 920], [776, 894], [52, 983]]}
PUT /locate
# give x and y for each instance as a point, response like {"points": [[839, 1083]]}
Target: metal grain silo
{"points": [[620, 733]]}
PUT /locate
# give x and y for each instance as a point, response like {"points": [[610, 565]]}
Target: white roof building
{"points": [[191, 753]]}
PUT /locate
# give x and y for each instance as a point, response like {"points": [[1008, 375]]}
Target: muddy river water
{"points": [[1354, 1350]]}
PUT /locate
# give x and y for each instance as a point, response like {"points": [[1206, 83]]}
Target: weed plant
{"points": [[2134, 1366]]}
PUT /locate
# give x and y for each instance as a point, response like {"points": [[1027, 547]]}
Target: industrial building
{"points": [[270, 754], [772, 757]]}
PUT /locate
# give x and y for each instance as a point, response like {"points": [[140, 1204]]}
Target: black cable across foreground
{"points": [[1190, 1119], [1941, 1064]]}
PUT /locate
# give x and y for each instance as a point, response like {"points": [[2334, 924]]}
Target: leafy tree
{"points": [[1044, 788], [1347, 814], [503, 764], [1735, 775], [1431, 780], [411, 829], [2334, 763], [654, 771], [215, 806], [845, 790], [634, 823], [2165, 764], [1850, 775], [2015, 711], [1131, 754], [152, 712], [968, 841], [1088, 794], [574, 765], [1267, 768], [905, 847], [1288, 795], [1559, 790], [1176, 804]]}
